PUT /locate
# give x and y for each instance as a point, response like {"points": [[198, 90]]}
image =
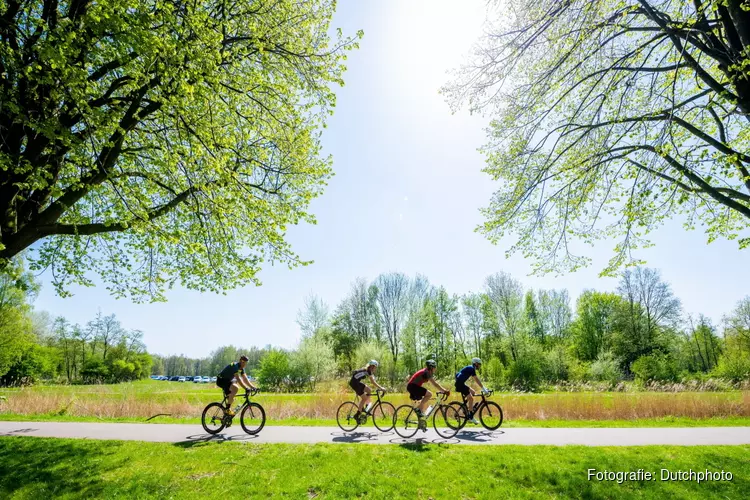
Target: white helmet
{"points": [[372, 362], [476, 361]]}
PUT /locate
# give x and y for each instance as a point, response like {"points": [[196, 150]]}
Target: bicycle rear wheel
{"points": [[345, 416], [253, 418], [491, 415], [213, 418], [461, 412], [405, 421], [382, 416], [446, 421]]}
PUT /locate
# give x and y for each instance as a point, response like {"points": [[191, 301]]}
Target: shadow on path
{"points": [[201, 439]]}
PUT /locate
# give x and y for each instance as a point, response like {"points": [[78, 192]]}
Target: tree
{"points": [[649, 311], [17, 288], [314, 316], [392, 299], [554, 311], [506, 296], [274, 368], [536, 328], [315, 358], [595, 323], [157, 143], [738, 326], [472, 311], [703, 345], [610, 118]]}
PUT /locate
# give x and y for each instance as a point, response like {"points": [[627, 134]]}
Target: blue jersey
{"points": [[465, 374]]}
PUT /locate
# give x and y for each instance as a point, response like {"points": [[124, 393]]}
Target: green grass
{"points": [[644, 422], [64, 468]]}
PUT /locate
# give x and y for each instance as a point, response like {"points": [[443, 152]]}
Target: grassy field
{"points": [[184, 402], [38, 467]]}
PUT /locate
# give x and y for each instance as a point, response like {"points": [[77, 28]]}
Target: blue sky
{"points": [[405, 197]]}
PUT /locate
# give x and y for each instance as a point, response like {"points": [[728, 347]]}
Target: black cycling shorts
{"points": [[416, 392], [224, 383], [358, 386], [462, 388]]}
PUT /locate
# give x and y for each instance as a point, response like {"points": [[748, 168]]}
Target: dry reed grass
{"points": [[553, 406]]}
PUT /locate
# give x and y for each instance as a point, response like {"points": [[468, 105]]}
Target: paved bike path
{"points": [[179, 433]]}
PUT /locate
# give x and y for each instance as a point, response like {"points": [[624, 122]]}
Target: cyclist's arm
{"points": [[372, 379], [440, 387], [479, 382], [245, 382]]}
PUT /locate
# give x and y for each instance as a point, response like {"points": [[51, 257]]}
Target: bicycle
{"points": [[445, 418], [490, 413], [382, 414], [252, 415]]}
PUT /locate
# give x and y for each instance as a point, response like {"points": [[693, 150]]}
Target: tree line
{"points": [[527, 338], [35, 346]]}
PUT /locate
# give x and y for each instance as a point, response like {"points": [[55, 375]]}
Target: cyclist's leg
{"points": [[425, 401], [470, 401], [365, 398], [233, 389]]}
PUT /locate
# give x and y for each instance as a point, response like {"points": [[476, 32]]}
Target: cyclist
{"points": [[360, 388], [421, 394], [462, 377], [224, 380]]}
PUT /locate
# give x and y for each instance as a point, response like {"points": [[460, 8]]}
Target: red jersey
{"points": [[420, 377]]}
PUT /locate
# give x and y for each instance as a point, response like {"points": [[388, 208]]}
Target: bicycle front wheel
{"points": [[405, 421], [345, 416], [253, 418], [213, 418], [446, 421], [382, 416], [491, 415]]}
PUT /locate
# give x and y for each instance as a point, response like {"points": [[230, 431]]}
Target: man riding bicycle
{"points": [[225, 381], [421, 394], [363, 390], [462, 377]]}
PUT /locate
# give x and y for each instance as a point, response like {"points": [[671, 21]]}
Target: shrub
{"points": [[734, 367], [606, 368], [659, 367]]}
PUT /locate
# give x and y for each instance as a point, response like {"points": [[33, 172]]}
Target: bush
{"points": [[556, 365], [94, 372], [734, 367], [606, 368], [659, 367], [525, 372], [274, 369]]}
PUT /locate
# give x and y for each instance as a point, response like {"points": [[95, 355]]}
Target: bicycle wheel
{"points": [[461, 412], [213, 418], [345, 416], [446, 421], [491, 415], [405, 421], [252, 418], [382, 416]]}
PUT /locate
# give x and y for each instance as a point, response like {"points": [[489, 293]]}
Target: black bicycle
{"points": [[445, 418], [381, 411], [252, 415], [490, 413]]}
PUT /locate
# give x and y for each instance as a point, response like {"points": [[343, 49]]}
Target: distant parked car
{"points": [[197, 380], [174, 378], [154, 377], [188, 379], [181, 379], [213, 379], [206, 380], [162, 377]]}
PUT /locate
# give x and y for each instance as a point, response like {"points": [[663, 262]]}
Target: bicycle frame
{"points": [[377, 393], [246, 395]]}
